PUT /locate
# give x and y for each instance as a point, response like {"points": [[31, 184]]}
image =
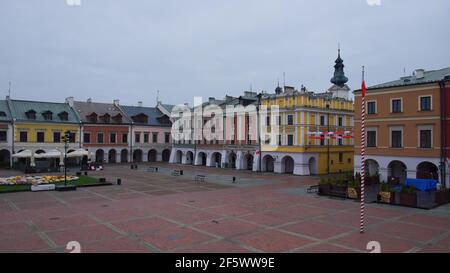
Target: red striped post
{"points": [[363, 152]]}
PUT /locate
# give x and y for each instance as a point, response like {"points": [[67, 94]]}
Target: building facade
{"points": [[151, 133], [407, 127], [6, 135], [232, 146], [328, 115], [105, 131], [38, 127]]}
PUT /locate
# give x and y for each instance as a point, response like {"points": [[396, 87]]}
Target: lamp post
{"points": [[65, 139], [328, 137]]}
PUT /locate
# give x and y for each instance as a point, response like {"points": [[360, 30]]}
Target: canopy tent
{"points": [[78, 153], [49, 154], [23, 154]]}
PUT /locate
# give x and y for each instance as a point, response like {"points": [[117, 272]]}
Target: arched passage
{"points": [[268, 164], [312, 164], [99, 156], [232, 160], [152, 154], [427, 170], [166, 155], [137, 156], [216, 159], [248, 162], [371, 167], [287, 165], [189, 158], [5, 157], [397, 169], [112, 156], [178, 157], [202, 158], [124, 156]]}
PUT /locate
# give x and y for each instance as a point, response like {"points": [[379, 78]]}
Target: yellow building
{"points": [[39, 126], [299, 140]]}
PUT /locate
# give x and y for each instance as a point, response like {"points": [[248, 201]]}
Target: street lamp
{"points": [[66, 139]]}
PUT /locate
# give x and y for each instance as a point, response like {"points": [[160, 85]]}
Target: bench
{"points": [[176, 172], [313, 189], [152, 169], [200, 178]]}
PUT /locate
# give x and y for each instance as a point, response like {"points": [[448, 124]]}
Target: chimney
{"points": [[89, 100], [116, 102], [69, 101], [420, 73], [140, 103]]}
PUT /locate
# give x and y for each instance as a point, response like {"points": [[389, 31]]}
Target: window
{"points": [[340, 143], [40, 137], [2, 114], [99, 137], [112, 138], [396, 139], [341, 157], [322, 120], [279, 120], [425, 138], [72, 137], [167, 137], [290, 140], [340, 121], [56, 137], [425, 103], [371, 138], [155, 137], [267, 140], [322, 140], [64, 116], [87, 138], [125, 138], [47, 115], [31, 114], [396, 106], [23, 136], [279, 140], [268, 121], [137, 137], [3, 136], [371, 108], [146, 137], [290, 120]]}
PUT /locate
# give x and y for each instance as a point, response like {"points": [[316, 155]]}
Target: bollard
{"points": [[85, 173], [156, 169], [181, 172], [119, 181], [131, 166], [234, 179]]}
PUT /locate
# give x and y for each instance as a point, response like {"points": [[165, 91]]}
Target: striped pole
{"points": [[363, 145]]}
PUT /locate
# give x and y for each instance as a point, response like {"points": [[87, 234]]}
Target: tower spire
{"points": [[339, 77]]}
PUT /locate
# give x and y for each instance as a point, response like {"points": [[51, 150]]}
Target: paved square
{"points": [[158, 212]]}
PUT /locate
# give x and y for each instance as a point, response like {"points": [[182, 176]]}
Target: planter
{"points": [[354, 193], [442, 197], [102, 180], [386, 197], [340, 191], [408, 199], [324, 189]]}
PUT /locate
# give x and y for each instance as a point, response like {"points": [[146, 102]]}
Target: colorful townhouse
{"points": [[150, 128], [313, 129], [105, 130], [228, 151], [37, 128], [407, 127], [6, 135]]}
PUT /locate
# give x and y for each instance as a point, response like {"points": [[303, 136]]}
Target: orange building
{"points": [[406, 127]]}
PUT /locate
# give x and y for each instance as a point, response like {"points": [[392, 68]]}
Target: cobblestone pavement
{"points": [[158, 212]]}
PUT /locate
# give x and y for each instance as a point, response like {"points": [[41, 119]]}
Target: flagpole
{"points": [[363, 145]]}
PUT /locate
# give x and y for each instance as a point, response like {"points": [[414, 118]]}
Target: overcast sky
{"points": [[108, 49]]}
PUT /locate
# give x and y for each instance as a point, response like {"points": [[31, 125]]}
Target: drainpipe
{"points": [[259, 132], [13, 127], [443, 130]]}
